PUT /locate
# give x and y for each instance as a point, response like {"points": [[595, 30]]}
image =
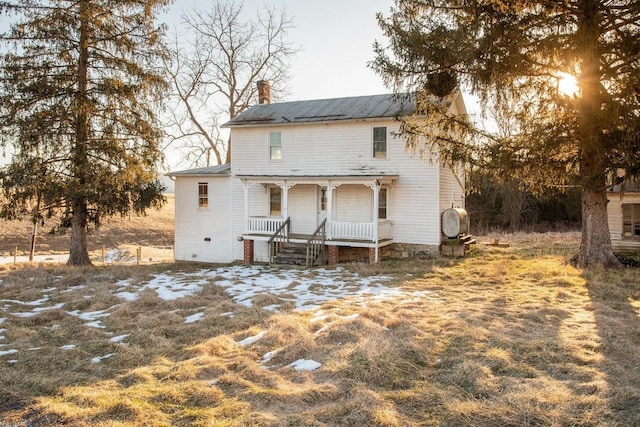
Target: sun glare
{"points": [[567, 84]]}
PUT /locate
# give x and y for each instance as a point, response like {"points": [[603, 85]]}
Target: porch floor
{"points": [[302, 238]]}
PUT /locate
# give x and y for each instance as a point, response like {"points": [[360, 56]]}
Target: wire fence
{"points": [[128, 254]]}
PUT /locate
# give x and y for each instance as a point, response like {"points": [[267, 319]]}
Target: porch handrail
{"points": [[315, 244], [281, 235]]}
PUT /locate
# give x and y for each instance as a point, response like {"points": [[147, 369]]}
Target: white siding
{"points": [[303, 208], [346, 149], [194, 224], [614, 211], [451, 188], [312, 149], [353, 203]]}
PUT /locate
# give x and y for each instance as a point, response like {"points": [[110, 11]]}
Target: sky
{"points": [[335, 39]]}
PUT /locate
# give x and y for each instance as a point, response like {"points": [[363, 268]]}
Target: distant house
{"points": [[623, 212], [322, 181]]}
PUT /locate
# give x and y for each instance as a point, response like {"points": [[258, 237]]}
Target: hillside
{"points": [[155, 229]]}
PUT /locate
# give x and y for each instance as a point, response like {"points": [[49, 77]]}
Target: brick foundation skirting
{"points": [[333, 254], [248, 252]]}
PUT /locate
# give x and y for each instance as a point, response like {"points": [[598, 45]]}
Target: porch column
{"points": [[330, 187], [285, 186], [375, 186], [245, 186]]}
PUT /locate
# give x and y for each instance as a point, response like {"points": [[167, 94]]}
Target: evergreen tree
{"points": [[79, 84], [517, 56]]}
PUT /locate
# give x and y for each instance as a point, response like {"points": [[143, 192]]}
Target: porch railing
{"points": [[351, 230], [280, 236], [263, 224], [385, 229], [315, 245]]}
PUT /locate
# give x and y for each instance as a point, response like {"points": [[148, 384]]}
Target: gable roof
{"points": [[322, 110], [218, 170]]}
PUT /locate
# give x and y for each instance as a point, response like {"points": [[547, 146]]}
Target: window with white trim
{"points": [[203, 195], [631, 220], [275, 201], [380, 142], [275, 145], [382, 204]]}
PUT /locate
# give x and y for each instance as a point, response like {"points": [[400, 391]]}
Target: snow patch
{"points": [[305, 365], [268, 356], [101, 358], [127, 296], [119, 338], [194, 317], [253, 339]]}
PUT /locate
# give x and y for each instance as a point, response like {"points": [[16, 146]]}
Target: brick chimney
{"points": [[264, 92]]}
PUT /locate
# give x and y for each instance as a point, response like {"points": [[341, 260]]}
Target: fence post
{"points": [[138, 255], [15, 255], [103, 259]]}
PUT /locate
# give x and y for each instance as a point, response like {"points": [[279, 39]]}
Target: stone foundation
{"points": [[408, 250], [345, 254]]}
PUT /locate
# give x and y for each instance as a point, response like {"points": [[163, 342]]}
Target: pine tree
{"points": [[80, 82], [515, 55]]}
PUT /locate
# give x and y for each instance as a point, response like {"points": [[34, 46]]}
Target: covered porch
{"points": [[340, 210]]}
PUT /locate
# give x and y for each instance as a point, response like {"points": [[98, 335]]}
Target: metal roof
{"points": [[322, 110], [219, 170]]}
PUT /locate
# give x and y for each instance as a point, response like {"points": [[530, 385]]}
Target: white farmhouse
{"points": [[313, 182], [623, 211]]}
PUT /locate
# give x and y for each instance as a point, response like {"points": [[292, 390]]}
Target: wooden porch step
{"points": [[292, 254]]}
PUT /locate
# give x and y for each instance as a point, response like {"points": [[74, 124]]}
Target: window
{"points": [[382, 204], [275, 201], [631, 220], [203, 195], [380, 143], [275, 145], [323, 199]]}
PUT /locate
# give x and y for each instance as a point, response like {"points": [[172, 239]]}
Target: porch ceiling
{"points": [[320, 179]]}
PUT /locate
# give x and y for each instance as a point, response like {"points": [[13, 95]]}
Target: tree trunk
{"points": [[32, 248], [595, 247], [228, 158], [78, 253]]}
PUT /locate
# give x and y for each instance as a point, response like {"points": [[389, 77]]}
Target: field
{"points": [[504, 337], [119, 236]]}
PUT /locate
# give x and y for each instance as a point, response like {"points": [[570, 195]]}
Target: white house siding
{"points": [[303, 209], [451, 189], [340, 149], [413, 204], [614, 211], [194, 224], [353, 203], [310, 149]]}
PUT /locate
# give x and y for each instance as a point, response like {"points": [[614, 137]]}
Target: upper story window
{"points": [[275, 145], [275, 201], [382, 204], [203, 195], [379, 142], [631, 220]]}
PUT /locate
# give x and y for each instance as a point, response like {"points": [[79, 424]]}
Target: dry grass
{"points": [[504, 337], [122, 233]]}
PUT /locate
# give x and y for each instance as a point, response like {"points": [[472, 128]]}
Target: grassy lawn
{"points": [[504, 337]]}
